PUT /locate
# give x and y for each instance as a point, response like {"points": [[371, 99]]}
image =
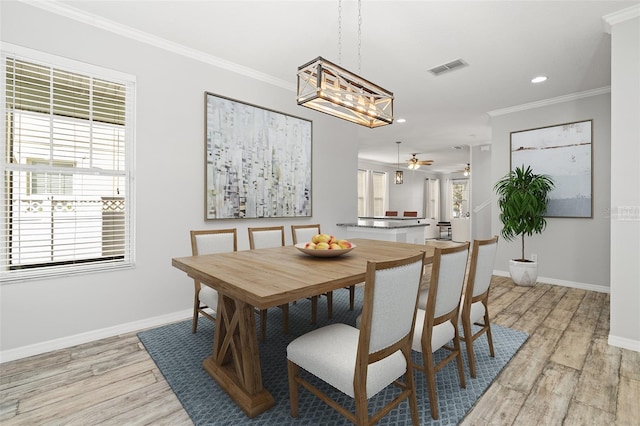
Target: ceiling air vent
{"points": [[449, 66]]}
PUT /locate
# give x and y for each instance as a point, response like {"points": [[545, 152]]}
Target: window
{"points": [[66, 190], [459, 198], [372, 193]]}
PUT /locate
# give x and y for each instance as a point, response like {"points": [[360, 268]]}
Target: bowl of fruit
{"points": [[325, 245]]}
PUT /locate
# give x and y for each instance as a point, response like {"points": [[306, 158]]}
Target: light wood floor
{"points": [[565, 373]]}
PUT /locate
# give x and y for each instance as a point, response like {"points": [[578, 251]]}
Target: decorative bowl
{"points": [[323, 253]]}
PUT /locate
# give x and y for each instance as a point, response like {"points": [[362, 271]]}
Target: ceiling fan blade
{"points": [[425, 162]]}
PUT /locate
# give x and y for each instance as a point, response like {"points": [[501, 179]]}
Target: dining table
{"points": [[263, 278]]}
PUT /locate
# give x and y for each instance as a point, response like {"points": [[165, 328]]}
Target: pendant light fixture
{"points": [[398, 171], [467, 170], [329, 88]]}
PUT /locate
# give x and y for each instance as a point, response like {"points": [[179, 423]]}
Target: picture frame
{"points": [[564, 152], [258, 161]]}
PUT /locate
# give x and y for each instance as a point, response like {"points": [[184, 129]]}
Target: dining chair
{"points": [[410, 214], [302, 234], [437, 317], [208, 242], [391, 213], [266, 237], [362, 362], [474, 304]]}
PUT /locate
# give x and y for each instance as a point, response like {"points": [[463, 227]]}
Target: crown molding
{"points": [[70, 12], [551, 101], [620, 16]]}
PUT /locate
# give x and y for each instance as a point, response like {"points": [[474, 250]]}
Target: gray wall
{"points": [[481, 192], [625, 183], [575, 251], [169, 183]]}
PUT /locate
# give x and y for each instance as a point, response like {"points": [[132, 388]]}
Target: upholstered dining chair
{"points": [[266, 237], [391, 213], [209, 241], [437, 316], [303, 234], [362, 362], [474, 305], [410, 214]]}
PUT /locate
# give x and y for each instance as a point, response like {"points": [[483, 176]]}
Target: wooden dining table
{"points": [[264, 278]]}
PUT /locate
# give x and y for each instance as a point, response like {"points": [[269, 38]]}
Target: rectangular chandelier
{"points": [[328, 88]]}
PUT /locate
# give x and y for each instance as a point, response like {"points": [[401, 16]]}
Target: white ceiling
{"points": [[505, 43]]}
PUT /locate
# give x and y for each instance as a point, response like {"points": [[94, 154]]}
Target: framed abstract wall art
{"points": [[258, 161], [564, 152]]}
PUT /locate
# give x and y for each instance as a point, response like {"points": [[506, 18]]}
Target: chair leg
{"points": [[430, 372], [460, 362], [362, 408], [263, 325], [413, 400], [352, 296], [330, 304], [196, 305], [285, 318], [489, 338], [468, 341], [314, 309], [293, 370]]}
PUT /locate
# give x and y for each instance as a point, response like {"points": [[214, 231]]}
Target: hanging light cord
{"points": [[360, 35], [339, 32]]}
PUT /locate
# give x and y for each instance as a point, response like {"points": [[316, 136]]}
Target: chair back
{"points": [[410, 214], [447, 279], [390, 302], [391, 213], [481, 267], [304, 233], [265, 237], [212, 241]]}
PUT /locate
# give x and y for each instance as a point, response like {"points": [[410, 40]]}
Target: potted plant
{"points": [[522, 199]]}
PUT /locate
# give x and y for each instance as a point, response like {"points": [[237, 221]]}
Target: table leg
{"points": [[235, 362]]}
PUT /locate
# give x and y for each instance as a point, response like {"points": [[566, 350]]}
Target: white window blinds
{"points": [[372, 193], [66, 193]]}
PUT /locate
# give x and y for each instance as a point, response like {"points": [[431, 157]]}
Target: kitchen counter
{"points": [[385, 223], [404, 231], [390, 218]]}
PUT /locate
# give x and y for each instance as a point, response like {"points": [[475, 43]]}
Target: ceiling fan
{"points": [[413, 163]]}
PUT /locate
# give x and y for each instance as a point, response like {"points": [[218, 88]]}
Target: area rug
{"points": [[179, 355]]}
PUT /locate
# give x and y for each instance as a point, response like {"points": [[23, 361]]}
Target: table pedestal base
{"points": [[235, 362], [252, 405]]}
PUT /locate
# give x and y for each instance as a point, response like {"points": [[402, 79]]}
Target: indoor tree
{"points": [[523, 197]]}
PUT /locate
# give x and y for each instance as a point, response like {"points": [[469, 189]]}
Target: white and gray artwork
{"points": [[564, 153], [258, 162]]}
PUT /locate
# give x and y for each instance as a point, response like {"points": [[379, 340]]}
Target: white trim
{"points": [[551, 101], [90, 336], [563, 283], [159, 42], [620, 16], [624, 343]]}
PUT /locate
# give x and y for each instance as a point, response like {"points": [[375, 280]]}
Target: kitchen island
{"points": [[399, 230]]}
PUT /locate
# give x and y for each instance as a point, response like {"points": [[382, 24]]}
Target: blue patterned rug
{"points": [[179, 355]]}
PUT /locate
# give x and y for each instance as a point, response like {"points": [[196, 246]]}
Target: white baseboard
{"points": [[624, 343], [66, 342], [564, 283]]}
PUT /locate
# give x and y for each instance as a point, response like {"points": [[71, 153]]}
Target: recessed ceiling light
{"points": [[539, 79], [401, 120]]}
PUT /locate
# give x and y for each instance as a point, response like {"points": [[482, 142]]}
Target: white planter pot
{"points": [[523, 273]]}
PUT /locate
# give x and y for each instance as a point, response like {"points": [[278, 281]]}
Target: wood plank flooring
{"points": [[566, 373]]}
